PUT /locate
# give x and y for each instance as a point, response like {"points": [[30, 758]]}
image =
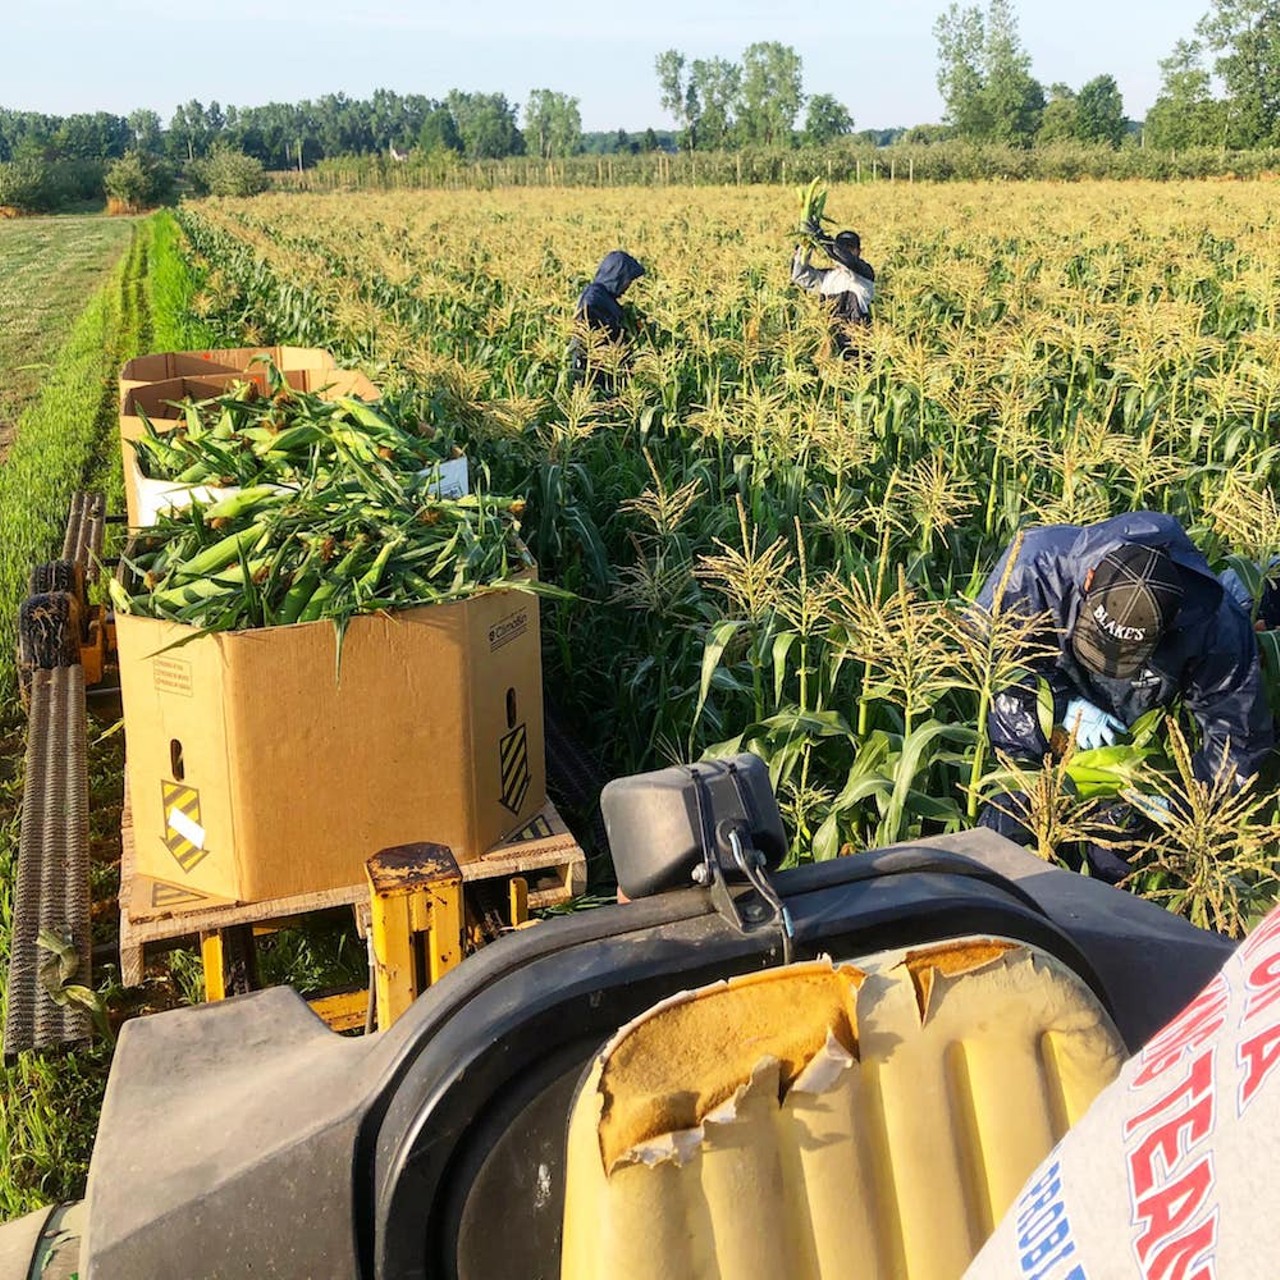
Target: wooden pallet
{"points": [[544, 853]]}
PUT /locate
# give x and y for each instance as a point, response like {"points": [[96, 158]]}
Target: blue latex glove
{"points": [[1092, 726]]}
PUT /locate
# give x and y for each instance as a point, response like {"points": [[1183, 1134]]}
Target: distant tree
{"points": [[393, 119], [679, 95], [148, 134], [191, 133], [225, 172], [984, 75], [1184, 113], [139, 180], [439, 131], [924, 135], [25, 185], [826, 120], [1015, 100], [1245, 34], [100, 136], [486, 125], [650, 140], [553, 124], [961, 37], [625, 144], [716, 84], [772, 93], [1100, 112], [1061, 112]]}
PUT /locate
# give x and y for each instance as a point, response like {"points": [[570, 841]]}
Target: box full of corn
{"points": [[206, 438], [312, 675]]}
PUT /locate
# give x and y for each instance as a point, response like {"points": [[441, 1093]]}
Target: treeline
{"points": [[130, 184], [51, 163], [847, 161], [1218, 112], [985, 78], [279, 135]]}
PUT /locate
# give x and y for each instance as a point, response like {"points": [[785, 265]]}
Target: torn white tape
{"points": [[186, 827]]}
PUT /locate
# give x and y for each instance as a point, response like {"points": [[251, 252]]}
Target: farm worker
{"points": [[849, 286], [599, 308], [1138, 620]]}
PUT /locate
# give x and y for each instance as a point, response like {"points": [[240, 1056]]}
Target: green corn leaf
{"points": [[719, 637]]}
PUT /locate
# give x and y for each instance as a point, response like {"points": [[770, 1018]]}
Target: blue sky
{"points": [[879, 60]]}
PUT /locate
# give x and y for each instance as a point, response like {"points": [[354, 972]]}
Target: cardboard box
{"points": [[254, 773], [165, 365], [157, 401]]}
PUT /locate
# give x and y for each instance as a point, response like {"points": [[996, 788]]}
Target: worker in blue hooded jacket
{"points": [[600, 308], [1138, 620]]}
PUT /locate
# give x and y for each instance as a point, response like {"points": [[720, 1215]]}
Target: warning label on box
{"points": [[510, 628], [183, 834], [173, 895], [515, 768], [172, 675]]}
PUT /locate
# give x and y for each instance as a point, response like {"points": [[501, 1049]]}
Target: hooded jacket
{"points": [[1208, 657], [849, 287], [598, 303]]}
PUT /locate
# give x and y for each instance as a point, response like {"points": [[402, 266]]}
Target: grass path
{"points": [[67, 439], [49, 267]]}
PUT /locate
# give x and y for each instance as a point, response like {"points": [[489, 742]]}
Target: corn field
{"points": [[771, 549]]}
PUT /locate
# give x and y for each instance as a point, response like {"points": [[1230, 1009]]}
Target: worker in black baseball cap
{"points": [[1136, 619], [1131, 598]]}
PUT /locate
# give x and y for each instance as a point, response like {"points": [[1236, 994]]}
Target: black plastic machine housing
{"points": [[662, 826], [245, 1138]]}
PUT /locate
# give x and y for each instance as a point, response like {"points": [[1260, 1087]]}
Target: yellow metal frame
{"points": [[415, 899], [93, 652], [415, 933], [518, 891], [213, 958], [342, 1010]]}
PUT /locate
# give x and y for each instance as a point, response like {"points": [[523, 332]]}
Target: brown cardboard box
{"points": [[165, 365], [156, 400], [255, 774]]}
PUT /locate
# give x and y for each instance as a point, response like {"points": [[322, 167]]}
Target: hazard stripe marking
{"points": [[172, 895], [184, 833], [538, 829], [513, 753]]}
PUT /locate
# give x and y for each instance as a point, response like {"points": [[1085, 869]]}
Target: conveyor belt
{"points": [[83, 539], [52, 890]]}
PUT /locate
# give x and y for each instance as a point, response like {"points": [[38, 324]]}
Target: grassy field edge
{"points": [[62, 438], [49, 1105], [172, 288]]}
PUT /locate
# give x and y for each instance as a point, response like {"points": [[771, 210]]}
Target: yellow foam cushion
{"points": [[820, 1121]]}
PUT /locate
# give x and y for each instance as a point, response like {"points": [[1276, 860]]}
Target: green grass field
{"points": [[48, 269], [73, 306]]}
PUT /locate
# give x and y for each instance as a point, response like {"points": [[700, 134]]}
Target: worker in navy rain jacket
{"points": [[1265, 610], [599, 307], [1140, 621], [849, 286]]}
